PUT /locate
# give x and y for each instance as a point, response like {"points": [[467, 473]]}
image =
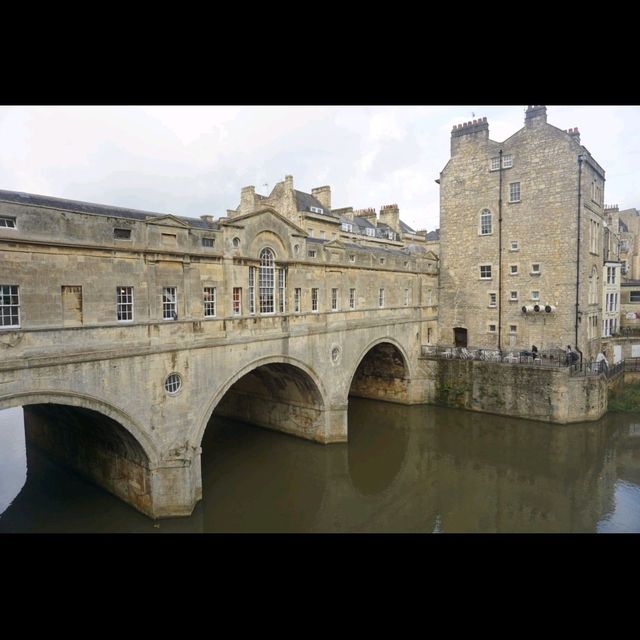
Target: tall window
{"points": [[611, 275], [237, 301], [406, 297], [209, 299], [593, 286], [297, 294], [493, 299], [334, 299], [124, 304], [352, 298], [594, 236], [282, 279], [9, 305], [314, 299], [266, 281], [381, 298], [252, 290], [507, 161], [485, 222], [169, 303], [514, 192]]}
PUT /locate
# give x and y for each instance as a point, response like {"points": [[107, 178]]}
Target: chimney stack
{"points": [[247, 199], [288, 182], [208, 220], [323, 195], [535, 116], [575, 134], [472, 131], [390, 215]]}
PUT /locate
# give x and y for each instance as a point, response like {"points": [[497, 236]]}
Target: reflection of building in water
{"points": [[464, 472], [510, 476]]}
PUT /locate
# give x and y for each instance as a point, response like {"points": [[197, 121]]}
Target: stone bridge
{"points": [[290, 374]]}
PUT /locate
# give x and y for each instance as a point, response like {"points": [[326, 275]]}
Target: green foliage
{"points": [[627, 399]]}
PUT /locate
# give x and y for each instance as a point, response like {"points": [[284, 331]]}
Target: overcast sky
{"points": [[194, 160]]}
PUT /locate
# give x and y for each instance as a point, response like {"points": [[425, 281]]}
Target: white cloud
{"points": [[195, 160]]}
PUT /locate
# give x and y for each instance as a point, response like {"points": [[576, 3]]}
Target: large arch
{"points": [[85, 401], [382, 372], [273, 381]]}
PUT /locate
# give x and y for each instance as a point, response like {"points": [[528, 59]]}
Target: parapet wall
{"points": [[531, 392]]}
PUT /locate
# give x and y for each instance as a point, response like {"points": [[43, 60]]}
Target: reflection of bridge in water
{"points": [[405, 468]]}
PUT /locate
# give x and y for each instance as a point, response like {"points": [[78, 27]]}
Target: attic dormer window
{"points": [[316, 209], [347, 226], [370, 231]]}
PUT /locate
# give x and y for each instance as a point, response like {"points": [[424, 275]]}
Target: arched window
{"points": [[266, 281], [485, 222], [593, 286]]}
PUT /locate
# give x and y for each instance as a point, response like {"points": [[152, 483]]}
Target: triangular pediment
{"points": [[168, 221], [266, 211], [334, 244], [430, 255]]}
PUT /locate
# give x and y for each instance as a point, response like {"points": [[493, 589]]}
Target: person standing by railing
{"points": [[602, 362]]}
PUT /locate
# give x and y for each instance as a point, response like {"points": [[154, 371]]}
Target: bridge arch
{"points": [[287, 379], [72, 399], [382, 372]]}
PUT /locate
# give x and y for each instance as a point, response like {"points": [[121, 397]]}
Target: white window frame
{"points": [[512, 297], [252, 290], [124, 303], [493, 299], [236, 301], [535, 272], [315, 296], [334, 299], [352, 298], [507, 161], [347, 226], [282, 290], [9, 306], [611, 275], [369, 231], [352, 258], [485, 266], [494, 164], [516, 247], [169, 307], [486, 227], [7, 222], [406, 297], [513, 272], [267, 282], [209, 305], [316, 209], [535, 295], [513, 187], [297, 297]]}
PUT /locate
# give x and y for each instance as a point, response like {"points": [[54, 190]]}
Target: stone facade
{"points": [[156, 321], [509, 238]]}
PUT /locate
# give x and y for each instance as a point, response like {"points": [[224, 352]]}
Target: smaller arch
{"points": [[375, 343], [198, 433], [382, 373], [92, 403]]}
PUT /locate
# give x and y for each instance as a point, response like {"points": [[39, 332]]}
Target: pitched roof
{"points": [[433, 235], [405, 228], [304, 202], [77, 206]]}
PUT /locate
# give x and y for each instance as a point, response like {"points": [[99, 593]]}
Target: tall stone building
{"points": [[521, 239]]}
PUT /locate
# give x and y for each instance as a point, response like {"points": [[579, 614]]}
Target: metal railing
{"points": [[553, 358]]}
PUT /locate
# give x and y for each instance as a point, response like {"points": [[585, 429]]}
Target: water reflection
{"points": [[421, 468]]}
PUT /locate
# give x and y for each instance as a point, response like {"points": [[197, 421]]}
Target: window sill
{"points": [[485, 279], [485, 234], [513, 201], [535, 273]]}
